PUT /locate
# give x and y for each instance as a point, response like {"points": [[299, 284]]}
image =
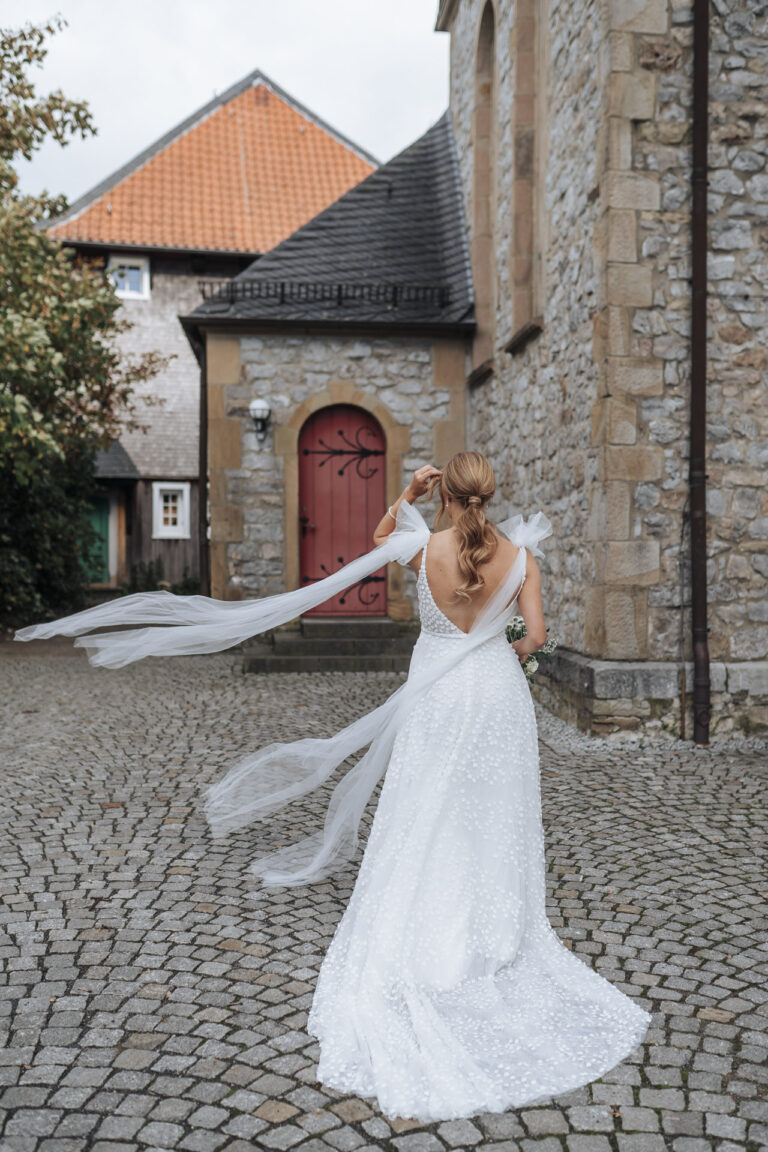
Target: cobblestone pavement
{"points": [[152, 998]]}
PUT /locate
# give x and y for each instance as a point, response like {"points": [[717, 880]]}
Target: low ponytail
{"points": [[468, 479]]}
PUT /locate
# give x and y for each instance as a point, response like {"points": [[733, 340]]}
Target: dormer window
{"points": [[130, 275]]}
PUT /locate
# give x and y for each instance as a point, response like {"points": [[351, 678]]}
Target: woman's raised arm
{"points": [[418, 486]]}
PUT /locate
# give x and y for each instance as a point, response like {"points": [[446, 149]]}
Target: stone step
{"points": [[360, 646], [371, 627], [332, 645], [271, 661]]}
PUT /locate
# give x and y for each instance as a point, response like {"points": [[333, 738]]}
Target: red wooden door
{"points": [[342, 497]]}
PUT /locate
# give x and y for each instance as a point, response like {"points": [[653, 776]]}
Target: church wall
{"points": [[651, 239], [532, 416], [589, 421], [737, 408]]}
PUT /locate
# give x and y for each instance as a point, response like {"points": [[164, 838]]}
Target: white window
{"points": [[170, 510], [130, 275]]}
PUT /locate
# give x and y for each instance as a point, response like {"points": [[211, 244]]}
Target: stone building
{"points": [[199, 205], [364, 312], [561, 177]]}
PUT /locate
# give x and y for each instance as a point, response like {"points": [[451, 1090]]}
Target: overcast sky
{"points": [[374, 69]]}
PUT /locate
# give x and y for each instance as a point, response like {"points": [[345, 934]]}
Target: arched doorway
{"points": [[342, 497]]}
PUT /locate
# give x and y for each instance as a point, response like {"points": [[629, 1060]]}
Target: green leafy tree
{"points": [[65, 390]]}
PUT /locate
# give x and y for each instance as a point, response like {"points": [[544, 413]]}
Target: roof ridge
{"points": [[253, 79]]}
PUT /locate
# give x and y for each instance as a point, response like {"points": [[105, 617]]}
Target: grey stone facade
{"points": [[533, 416], [737, 500], [589, 422], [288, 372]]}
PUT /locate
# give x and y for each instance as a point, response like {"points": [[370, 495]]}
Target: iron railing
{"points": [[318, 292]]}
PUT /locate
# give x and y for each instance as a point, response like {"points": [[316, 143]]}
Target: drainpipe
{"points": [[697, 477], [202, 485]]}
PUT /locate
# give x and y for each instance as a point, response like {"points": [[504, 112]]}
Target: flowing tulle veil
{"points": [[273, 777]]}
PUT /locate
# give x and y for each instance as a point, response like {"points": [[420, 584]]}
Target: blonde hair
{"points": [[469, 480]]}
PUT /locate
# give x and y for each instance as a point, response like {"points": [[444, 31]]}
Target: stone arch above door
{"points": [[398, 439]]}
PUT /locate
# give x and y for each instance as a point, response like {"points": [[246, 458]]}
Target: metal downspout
{"points": [[698, 412], [202, 518]]}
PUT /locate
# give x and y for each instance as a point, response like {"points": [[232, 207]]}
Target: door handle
{"points": [[305, 525]]}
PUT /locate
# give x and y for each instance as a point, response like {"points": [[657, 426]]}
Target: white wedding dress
{"points": [[445, 992]]}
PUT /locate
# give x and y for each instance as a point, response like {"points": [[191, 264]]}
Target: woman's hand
{"points": [[420, 484], [423, 479], [522, 656]]}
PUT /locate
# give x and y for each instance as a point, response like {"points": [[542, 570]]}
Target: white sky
{"points": [[373, 69]]}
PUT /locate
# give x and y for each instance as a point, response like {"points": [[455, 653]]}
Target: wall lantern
{"points": [[260, 413]]}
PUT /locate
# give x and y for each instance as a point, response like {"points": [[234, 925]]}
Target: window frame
{"points": [[116, 261], [180, 531]]}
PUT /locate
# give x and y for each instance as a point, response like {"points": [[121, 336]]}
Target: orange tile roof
{"points": [[240, 175]]}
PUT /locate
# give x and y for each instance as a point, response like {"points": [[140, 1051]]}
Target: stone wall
{"points": [[532, 416], [607, 697], [414, 389], [588, 420], [660, 54], [738, 366]]}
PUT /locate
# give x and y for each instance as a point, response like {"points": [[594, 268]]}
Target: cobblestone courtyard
{"points": [[152, 998]]}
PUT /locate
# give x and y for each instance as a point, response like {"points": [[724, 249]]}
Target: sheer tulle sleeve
{"points": [[527, 533], [413, 530], [190, 625]]}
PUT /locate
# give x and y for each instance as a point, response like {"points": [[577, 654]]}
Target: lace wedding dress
{"points": [[445, 992]]}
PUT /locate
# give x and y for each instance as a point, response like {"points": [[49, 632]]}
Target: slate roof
{"points": [[168, 450], [391, 251], [115, 464], [239, 175]]}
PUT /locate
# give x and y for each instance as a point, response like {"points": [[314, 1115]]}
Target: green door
{"points": [[97, 559]]}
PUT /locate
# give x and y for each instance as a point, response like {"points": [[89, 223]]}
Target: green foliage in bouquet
{"points": [[515, 631]]}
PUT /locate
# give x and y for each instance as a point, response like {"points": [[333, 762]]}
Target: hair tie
{"points": [[474, 500]]}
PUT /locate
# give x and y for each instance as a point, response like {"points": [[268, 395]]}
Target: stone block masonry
{"points": [[604, 697], [532, 415], [414, 389], [588, 420]]}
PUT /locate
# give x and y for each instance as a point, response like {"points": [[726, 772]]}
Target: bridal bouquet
{"points": [[515, 631]]}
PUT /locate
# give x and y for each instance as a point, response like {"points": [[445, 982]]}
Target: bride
{"points": [[445, 991]]}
